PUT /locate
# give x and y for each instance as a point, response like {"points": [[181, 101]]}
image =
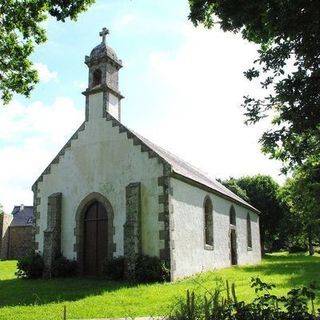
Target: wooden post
{"points": [[64, 313]]}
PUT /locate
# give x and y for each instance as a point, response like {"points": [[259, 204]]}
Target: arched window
{"points": [[233, 220], [249, 233], [208, 221], [97, 77]]}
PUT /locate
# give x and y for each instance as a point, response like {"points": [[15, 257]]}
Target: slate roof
{"points": [[187, 170], [22, 218]]}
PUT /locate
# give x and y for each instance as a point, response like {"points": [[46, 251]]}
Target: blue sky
{"points": [[138, 28], [183, 89]]}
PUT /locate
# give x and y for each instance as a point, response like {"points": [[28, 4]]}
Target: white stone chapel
{"points": [[110, 192]]}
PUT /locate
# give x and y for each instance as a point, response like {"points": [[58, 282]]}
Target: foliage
{"points": [[21, 29], [147, 269], [1, 209], [266, 306], [302, 194], [295, 248], [287, 67], [232, 184], [291, 226], [63, 268], [150, 269], [30, 267], [262, 192], [28, 300], [114, 268]]}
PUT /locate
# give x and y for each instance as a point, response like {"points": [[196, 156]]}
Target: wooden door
{"points": [[95, 239], [233, 246]]}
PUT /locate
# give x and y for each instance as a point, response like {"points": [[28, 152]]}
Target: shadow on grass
{"points": [[15, 292], [293, 270], [300, 269]]}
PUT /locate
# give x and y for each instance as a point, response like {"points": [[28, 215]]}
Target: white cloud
{"points": [[30, 138], [80, 85], [44, 73], [201, 119], [124, 21]]}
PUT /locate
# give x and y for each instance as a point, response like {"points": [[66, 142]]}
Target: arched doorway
{"points": [[233, 236], [95, 246]]}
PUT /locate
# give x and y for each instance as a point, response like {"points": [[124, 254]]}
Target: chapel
{"points": [[111, 192]]}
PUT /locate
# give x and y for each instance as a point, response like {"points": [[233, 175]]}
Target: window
{"points": [[249, 233], [232, 216], [97, 77], [208, 222]]}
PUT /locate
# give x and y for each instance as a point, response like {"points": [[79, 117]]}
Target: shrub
{"points": [[147, 269], [265, 306], [114, 268], [296, 248], [63, 268], [317, 250], [30, 267], [150, 269]]}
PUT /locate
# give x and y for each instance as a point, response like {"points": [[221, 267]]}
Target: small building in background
{"points": [[17, 233]]}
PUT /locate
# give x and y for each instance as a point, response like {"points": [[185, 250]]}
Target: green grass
{"points": [[96, 298]]}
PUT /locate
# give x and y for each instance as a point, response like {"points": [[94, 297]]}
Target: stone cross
{"points": [[104, 34]]}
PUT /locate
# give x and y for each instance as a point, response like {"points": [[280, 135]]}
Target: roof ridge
{"points": [[19, 205]]}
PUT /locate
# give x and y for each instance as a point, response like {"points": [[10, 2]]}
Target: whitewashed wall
{"points": [[189, 255], [105, 161]]}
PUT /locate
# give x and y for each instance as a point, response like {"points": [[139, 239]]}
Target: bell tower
{"points": [[102, 94]]}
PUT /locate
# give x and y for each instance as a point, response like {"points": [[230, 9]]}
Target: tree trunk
{"points": [[310, 244]]}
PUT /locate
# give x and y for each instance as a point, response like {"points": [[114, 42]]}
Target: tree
{"points": [[302, 194], [21, 30], [232, 184], [261, 192], [293, 236], [288, 67]]}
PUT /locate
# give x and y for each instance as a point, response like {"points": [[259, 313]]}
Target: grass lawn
{"points": [[94, 298]]}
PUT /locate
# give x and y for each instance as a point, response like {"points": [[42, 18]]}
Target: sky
{"points": [[183, 88]]}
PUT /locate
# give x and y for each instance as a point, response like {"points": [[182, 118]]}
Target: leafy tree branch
{"points": [[21, 31], [288, 68]]}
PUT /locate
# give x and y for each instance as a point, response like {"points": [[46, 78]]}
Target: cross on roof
{"points": [[104, 34]]}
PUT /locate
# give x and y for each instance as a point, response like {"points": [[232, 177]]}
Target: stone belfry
{"points": [[102, 94]]}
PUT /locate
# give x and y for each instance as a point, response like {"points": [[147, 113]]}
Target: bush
{"points": [[147, 269], [63, 268], [266, 306], [296, 248], [150, 269], [114, 268], [30, 267]]}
